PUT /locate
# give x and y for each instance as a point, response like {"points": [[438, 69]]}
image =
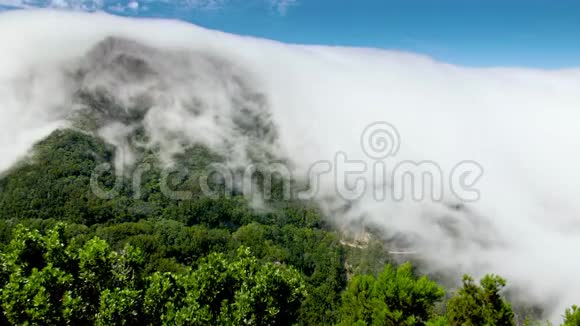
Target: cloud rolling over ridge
{"points": [[518, 124]]}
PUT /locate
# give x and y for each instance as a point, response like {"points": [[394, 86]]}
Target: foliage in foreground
{"points": [[46, 281], [395, 297], [480, 305], [51, 279]]}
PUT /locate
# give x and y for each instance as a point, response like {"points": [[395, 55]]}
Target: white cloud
{"points": [[77, 5], [12, 3], [282, 6], [21, 4], [203, 4]]}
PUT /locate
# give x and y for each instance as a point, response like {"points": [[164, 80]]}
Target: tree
{"points": [[120, 307], [395, 297], [572, 316], [34, 284], [480, 304], [50, 283], [240, 292], [47, 282]]}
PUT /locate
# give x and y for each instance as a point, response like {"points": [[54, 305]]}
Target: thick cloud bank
{"points": [[311, 104]]}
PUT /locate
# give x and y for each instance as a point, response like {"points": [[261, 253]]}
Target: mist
{"points": [[308, 103]]}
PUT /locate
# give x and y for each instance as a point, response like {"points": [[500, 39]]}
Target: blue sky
{"points": [[532, 33]]}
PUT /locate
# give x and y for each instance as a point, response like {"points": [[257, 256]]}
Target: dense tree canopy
{"points": [[47, 281], [395, 297], [480, 304]]}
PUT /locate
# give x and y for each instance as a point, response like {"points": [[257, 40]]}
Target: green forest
{"points": [[69, 257]]}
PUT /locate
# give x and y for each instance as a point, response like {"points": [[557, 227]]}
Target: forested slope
{"points": [[72, 257]]}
